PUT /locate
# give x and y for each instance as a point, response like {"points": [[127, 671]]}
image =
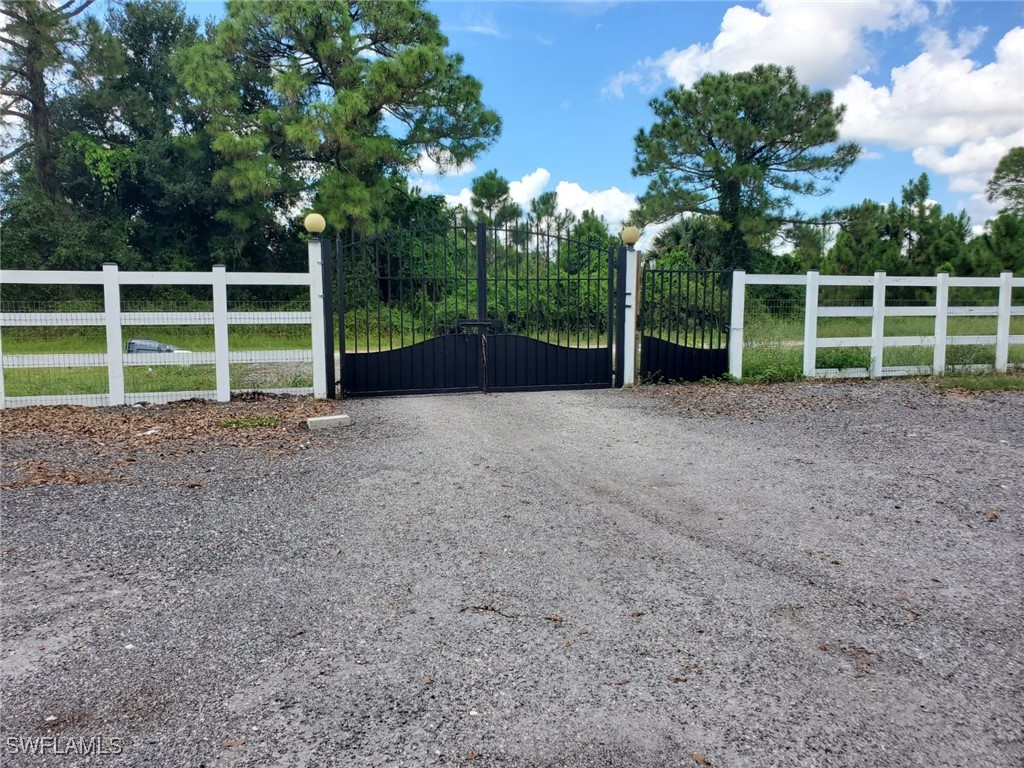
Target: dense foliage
{"points": [[151, 143]]}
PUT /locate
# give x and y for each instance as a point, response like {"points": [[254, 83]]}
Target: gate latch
{"points": [[497, 325]]}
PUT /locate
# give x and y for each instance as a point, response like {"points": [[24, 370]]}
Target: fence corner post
{"points": [[1003, 322], [811, 325], [112, 318], [877, 324], [220, 333], [941, 323], [737, 311], [316, 309]]}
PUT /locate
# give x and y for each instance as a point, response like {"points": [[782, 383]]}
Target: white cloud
{"points": [[463, 198], [528, 187], [956, 117], [616, 87], [426, 166], [824, 41], [612, 204]]}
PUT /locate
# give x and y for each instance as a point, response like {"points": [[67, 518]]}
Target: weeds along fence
{"points": [[785, 327], [87, 352]]}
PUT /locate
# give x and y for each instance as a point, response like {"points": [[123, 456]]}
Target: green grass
{"points": [[774, 344], [195, 338], [988, 382]]}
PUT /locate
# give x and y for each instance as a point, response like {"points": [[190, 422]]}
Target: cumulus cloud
{"points": [[824, 41], [521, 191], [612, 204], [528, 187], [956, 117]]}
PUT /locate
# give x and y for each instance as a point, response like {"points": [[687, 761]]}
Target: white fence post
{"points": [[877, 324], [115, 348], [941, 322], [811, 324], [220, 332], [632, 307], [3, 398], [316, 308], [737, 311], [1003, 322]]}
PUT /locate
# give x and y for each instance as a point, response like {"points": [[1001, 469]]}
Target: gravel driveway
{"points": [[800, 575]]}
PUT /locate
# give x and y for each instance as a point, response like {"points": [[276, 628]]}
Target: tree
{"points": [[737, 147], [35, 40], [585, 248], [544, 214], [999, 248], [692, 242], [489, 193], [336, 99], [1007, 182]]}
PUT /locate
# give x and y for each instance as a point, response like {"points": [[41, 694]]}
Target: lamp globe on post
{"points": [[314, 224], [630, 235]]}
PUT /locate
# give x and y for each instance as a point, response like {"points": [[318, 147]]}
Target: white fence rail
{"points": [[877, 341], [116, 359]]}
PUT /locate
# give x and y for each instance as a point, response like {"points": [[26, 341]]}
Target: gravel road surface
{"points": [[797, 575]]}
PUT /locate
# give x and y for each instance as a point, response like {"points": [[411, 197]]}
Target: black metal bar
{"points": [[339, 264], [481, 296], [609, 331], [481, 271], [326, 262]]}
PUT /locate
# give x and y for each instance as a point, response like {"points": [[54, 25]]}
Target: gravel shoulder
{"points": [[810, 574]]}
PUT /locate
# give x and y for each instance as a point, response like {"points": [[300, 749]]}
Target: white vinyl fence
{"points": [[113, 319], [877, 342]]}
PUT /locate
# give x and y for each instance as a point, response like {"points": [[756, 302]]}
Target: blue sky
{"points": [[936, 87]]}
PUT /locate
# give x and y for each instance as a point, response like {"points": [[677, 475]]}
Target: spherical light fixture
{"points": [[314, 223], [630, 235]]}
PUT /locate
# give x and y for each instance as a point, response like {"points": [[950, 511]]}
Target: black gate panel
{"points": [[468, 307], [449, 363], [684, 324], [522, 363], [664, 361]]}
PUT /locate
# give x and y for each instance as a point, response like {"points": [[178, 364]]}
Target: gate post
{"points": [[315, 224], [325, 281], [630, 304], [737, 299], [620, 317]]}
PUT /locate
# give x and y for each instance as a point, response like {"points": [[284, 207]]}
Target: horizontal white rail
{"points": [[69, 277], [157, 358], [116, 323], [877, 342], [51, 319]]}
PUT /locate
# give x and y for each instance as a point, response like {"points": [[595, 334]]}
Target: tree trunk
{"points": [[39, 122], [737, 251]]}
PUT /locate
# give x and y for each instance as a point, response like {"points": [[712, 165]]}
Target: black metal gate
{"points": [[684, 324], [469, 308]]}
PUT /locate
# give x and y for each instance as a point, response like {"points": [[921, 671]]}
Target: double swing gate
{"points": [[472, 308], [469, 308]]}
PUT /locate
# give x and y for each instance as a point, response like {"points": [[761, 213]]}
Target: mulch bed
{"points": [[117, 436]]}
